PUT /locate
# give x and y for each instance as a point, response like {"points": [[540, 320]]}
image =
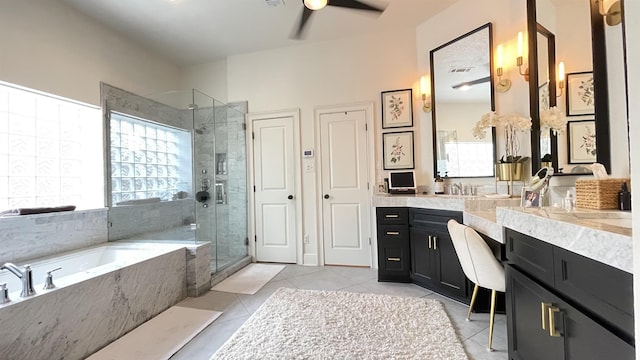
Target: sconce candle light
{"points": [[503, 85], [560, 79], [315, 4], [611, 10], [520, 60], [426, 94]]}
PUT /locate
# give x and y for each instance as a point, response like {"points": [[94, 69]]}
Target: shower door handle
{"points": [[290, 197]]}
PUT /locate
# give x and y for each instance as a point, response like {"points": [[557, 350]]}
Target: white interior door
{"points": [[345, 203], [275, 196]]}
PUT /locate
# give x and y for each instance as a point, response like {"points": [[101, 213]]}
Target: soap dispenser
{"points": [[438, 184], [568, 204], [624, 198]]}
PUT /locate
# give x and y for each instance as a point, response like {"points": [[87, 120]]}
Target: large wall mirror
{"points": [[461, 92], [573, 31]]}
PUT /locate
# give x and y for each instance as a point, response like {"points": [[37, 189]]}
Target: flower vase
{"points": [[509, 171]]}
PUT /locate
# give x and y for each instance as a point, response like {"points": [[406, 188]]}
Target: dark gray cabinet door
{"points": [[422, 258], [575, 335], [448, 269]]}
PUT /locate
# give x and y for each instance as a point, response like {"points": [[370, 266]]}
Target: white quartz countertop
{"points": [[601, 235], [479, 212]]}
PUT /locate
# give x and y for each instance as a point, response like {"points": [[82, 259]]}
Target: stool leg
{"points": [[493, 313], [473, 300]]}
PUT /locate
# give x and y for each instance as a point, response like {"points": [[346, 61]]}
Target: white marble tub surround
{"points": [[580, 231], [27, 237], [78, 265], [81, 316]]}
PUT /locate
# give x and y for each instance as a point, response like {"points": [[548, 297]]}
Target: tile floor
{"points": [[237, 308]]}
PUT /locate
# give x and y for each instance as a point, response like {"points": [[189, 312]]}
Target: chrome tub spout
{"points": [[24, 275]]}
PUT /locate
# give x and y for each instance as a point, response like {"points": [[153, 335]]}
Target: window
{"points": [[148, 160], [50, 151]]}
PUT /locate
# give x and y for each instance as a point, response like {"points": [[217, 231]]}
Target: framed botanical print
{"points": [[581, 141], [580, 94], [398, 150], [397, 108]]}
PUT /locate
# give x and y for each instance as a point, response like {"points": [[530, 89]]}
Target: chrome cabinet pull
{"points": [[391, 216], [393, 232], [393, 259], [435, 243], [429, 241]]}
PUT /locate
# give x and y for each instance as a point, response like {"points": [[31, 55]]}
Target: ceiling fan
{"points": [[312, 5]]}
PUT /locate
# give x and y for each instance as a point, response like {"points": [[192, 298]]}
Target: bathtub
{"points": [[78, 265], [101, 293]]}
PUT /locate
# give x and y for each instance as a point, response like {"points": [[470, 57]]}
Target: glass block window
{"points": [[50, 151], [148, 160]]}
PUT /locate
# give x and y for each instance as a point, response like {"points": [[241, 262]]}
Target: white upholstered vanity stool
{"points": [[479, 265]]}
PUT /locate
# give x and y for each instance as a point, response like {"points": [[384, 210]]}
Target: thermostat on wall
{"points": [[307, 153]]}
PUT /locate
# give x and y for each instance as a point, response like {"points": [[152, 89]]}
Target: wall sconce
{"points": [[503, 85], [519, 59], [425, 90], [560, 79], [611, 10]]}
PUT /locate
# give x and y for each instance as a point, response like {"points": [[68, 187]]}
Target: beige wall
{"points": [[632, 18], [508, 17], [329, 73], [50, 47]]}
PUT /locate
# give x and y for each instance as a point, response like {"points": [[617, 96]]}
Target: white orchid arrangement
{"points": [[511, 124], [553, 119]]}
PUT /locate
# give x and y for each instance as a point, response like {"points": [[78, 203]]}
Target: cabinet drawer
{"points": [[392, 216], [428, 218], [530, 255], [393, 263], [393, 233], [600, 289]]}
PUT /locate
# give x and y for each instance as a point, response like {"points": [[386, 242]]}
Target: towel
{"points": [[37, 210]]}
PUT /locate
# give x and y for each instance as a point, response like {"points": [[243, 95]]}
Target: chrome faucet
{"points": [[24, 275]]}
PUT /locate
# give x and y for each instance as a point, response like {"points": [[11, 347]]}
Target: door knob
{"points": [[326, 196], [290, 197]]}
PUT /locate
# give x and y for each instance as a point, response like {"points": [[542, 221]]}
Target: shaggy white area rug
{"points": [[311, 324]]}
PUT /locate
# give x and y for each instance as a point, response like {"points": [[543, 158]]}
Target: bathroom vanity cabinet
{"points": [[561, 305], [414, 246], [393, 244], [434, 263]]}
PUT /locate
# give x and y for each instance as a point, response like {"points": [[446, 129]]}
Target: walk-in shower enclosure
{"points": [[177, 170]]}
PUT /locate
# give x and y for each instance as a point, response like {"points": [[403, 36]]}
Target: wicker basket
{"points": [[598, 194]]}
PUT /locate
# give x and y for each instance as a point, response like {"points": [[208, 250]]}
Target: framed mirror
{"points": [[578, 33], [461, 92], [546, 60]]}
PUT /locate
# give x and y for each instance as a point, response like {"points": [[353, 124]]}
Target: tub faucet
{"points": [[24, 275]]}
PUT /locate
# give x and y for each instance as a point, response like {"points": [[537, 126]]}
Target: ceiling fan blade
{"points": [[304, 19], [354, 4]]}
